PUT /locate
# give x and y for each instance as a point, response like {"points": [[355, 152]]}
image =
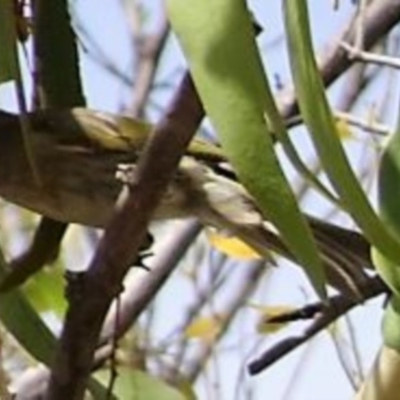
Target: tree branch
{"points": [[121, 241], [324, 316], [379, 18]]}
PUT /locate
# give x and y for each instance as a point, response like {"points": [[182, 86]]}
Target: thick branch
{"points": [[121, 241]]}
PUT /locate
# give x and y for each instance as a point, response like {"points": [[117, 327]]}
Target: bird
{"points": [[85, 161]]}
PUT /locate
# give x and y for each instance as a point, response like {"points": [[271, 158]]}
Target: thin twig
{"points": [[114, 348], [355, 81], [343, 356], [358, 122], [369, 126], [324, 316], [139, 293], [148, 51], [373, 58], [250, 281], [380, 17]]}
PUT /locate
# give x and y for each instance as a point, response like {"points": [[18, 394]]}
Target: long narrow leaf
{"points": [[388, 195], [23, 322], [217, 38], [277, 126], [318, 117]]}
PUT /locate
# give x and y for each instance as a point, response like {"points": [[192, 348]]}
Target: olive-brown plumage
{"points": [[86, 159]]}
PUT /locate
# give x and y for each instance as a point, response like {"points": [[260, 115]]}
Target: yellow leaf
{"points": [[268, 312], [204, 328], [231, 246], [342, 129]]}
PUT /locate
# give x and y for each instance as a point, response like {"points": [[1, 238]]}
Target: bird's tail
{"points": [[227, 206], [345, 253]]}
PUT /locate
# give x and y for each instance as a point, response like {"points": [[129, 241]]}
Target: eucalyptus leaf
{"points": [[23, 322], [218, 40], [317, 116], [389, 269]]}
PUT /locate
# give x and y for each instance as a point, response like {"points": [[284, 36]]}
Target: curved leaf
{"points": [[318, 117], [217, 38], [388, 195], [23, 322]]}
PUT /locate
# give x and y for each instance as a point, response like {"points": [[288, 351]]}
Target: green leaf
{"points": [[8, 66], [388, 196], [23, 322], [217, 38], [277, 126], [391, 324], [320, 122], [45, 290], [389, 270], [134, 384]]}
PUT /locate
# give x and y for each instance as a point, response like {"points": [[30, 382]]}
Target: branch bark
{"points": [[379, 18], [121, 241]]}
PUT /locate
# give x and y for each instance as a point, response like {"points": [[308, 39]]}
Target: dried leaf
{"points": [[266, 313], [231, 246], [204, 328]]}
